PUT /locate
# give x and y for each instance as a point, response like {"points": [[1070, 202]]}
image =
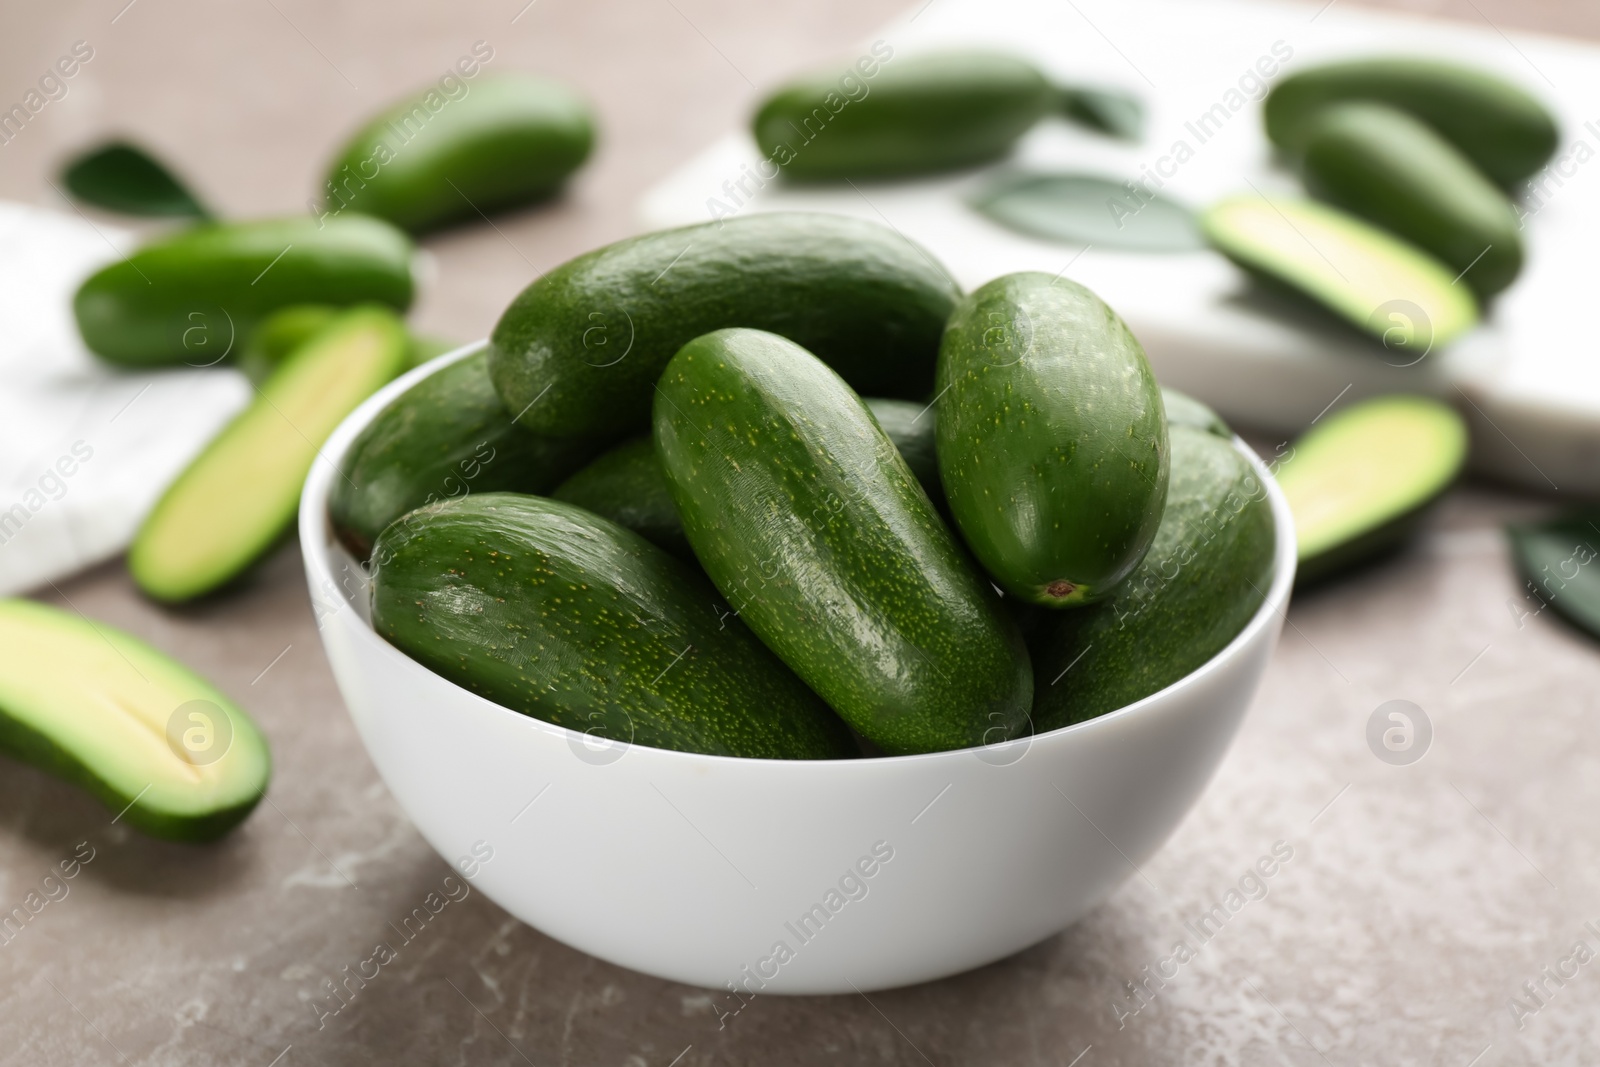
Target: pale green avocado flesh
{"points": [[1399, 294], [239, 496], [1357, 482], [157, 744]]}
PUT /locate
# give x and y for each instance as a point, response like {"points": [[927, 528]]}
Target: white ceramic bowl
{"points": [[777, 876]]}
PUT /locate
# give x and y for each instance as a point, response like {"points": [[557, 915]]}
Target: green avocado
{"points": [[911, 426], [1359, 482], [1504, 130], [1378, 283], [157, 744], [446, 436], [196, 297], [812, 526], [239, 496], [500, 142], [1052, 439], [557, 613], [1203, 580], [577, 354], [1184, 410], [1394, 170], [628, 486], [890, 117]]}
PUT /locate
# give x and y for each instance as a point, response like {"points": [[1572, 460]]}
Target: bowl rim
{"points": [[316, 537]]}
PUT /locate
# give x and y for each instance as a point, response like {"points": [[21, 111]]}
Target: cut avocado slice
{"points": [[151, 739], [1392, 290], [1358, 483], [239, 495]]}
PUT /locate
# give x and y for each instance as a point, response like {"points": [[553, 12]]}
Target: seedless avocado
{"points": [[889, 117], [1203, 580], [1184, 410], [1394, 170], [196, 297], [817, 533], [159, 746], [911, 426], [1378, 283], [1360, 480], [1051, 437], [504, 141], [1505, 131], [239, 496], [578, 352], [559, 614], [446, 436], [627, 485]]}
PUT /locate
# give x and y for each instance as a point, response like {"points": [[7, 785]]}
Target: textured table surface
{"points": [[1417, 900]]}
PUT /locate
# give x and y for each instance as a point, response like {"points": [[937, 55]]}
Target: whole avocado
{"points": [[1052, 439], [557, 613], [812, 526], [578, 352]]}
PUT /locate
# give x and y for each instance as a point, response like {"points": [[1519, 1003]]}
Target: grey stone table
{"points": [[1425, 914]]}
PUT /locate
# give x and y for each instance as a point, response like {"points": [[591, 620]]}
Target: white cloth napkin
{"points": [[85, 449]]}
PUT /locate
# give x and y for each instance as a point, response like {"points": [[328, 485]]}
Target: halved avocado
{"points": [[239, 496], [152, 740], [1358, 483], [1393, 290]]}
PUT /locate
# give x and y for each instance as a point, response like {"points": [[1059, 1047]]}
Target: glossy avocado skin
{"points": [[627, 485], [1052, 439], [911, 426], [919, 115], [1394, 170], [578, 352], [196, 297], [446, 436], [511, 140], [556, 613], [1500, 127], [1201, 583], [815, 530]]}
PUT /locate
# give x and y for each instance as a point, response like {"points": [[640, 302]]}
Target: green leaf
{"points": [[1110, 111], [124, 178], [1558, 560], [1087, 209]]}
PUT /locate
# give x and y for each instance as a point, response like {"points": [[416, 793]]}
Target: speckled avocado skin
{"points": [[910, 425], [1051, 437], [578, 352], [446, 436], [1202, 581], [559, 614], [814, 529], [627, 485]]}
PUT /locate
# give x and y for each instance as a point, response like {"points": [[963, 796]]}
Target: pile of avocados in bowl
{"points": [[711, 653]]}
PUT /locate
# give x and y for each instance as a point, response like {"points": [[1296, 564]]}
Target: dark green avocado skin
{"points": [[446, 436], [1393, 169], [627, 485], [197, 295], [1201, 583], [812, 526], [1052, 439], [1496, 124], [549, 610], [578, 352], [919, 115], [910, 425]]}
